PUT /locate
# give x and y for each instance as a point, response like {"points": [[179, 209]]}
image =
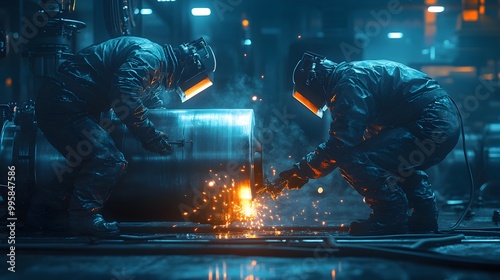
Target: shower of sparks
{"points": [[232, 210]]}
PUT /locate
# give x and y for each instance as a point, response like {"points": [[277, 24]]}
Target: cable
{"points": [[428, 243], [469, 170], [478, 232]]}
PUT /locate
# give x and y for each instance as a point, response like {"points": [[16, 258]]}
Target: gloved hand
{"points": [[158, 144], [292, 180], [274, 188], [289, 179]]}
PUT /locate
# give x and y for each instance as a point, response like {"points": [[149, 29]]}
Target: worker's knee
{"points": [[114, 165]]}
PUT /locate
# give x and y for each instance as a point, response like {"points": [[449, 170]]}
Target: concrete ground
{"points": [[306, 240]]}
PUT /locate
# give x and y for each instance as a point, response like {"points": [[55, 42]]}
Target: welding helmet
{"points": [[193, 62], [310, 79]]}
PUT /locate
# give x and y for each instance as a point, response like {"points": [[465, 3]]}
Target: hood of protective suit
{"points": [[310, 78]]}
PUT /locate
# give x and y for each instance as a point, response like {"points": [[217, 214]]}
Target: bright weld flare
{"points": [[256, 221], [247, 209]]}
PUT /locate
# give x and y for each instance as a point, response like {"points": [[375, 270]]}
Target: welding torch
{"points": [[274, 188], [290, 179]]}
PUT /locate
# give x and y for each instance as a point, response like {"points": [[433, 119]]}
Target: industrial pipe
{"points": [[211, 177]]}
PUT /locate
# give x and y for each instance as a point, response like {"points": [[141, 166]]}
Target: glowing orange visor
{"points": [[309, 105], [189, 92]]}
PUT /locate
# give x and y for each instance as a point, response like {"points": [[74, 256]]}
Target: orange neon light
{"points": [[471, 9], [470, 15], [306, 102], [199, 87]]}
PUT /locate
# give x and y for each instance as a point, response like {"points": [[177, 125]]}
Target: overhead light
{"points": [[435, 9], [166, 0], [146, 11], [201, 12], [395, 35], [247, 42]]}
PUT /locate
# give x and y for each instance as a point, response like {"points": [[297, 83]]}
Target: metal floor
{"points": [[313, 246]]}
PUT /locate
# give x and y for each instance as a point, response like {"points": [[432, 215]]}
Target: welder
{"points": [[127, 75], [389, 124]]}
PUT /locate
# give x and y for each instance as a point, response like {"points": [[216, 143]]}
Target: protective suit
{"points": [[125, 74], [389, 123]]}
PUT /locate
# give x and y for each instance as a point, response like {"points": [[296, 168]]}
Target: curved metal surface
{"points": [[8, 136], [208, 171], [207, 179]]}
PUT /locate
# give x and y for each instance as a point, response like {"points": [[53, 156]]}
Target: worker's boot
{"points": [[422, 202], [92, 224], [90, 193], [85, 217], [380, 223], [424, 216], [93, 186], [389, 207]]}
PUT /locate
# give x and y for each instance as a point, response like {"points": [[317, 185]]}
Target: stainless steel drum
{"points": [[211, 177]]}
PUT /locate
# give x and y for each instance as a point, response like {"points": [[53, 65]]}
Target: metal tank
{"points": [[211, 177]]}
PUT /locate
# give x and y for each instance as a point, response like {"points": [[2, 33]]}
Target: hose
{"points": [[469, 170]]}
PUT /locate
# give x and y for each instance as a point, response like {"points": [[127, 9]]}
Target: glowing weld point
{"points": [[211, 183], [320, 190], [254, 98]]}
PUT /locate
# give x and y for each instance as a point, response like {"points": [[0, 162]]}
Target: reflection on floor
{"points": [[304, 249]]}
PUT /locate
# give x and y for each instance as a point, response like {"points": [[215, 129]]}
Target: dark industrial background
{"points": [[257, 44]]}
